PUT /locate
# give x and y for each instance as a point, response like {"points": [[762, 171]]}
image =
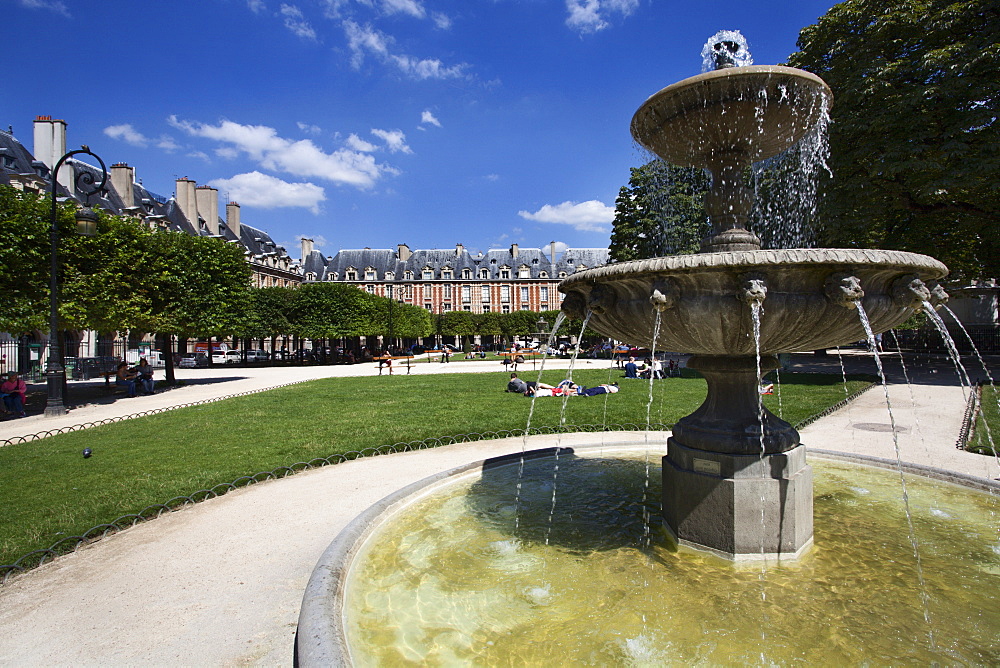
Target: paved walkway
{"points": [[220, 583]]}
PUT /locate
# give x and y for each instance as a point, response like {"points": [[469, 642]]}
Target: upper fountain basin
{"points": [[751, 112], [705, 300]]}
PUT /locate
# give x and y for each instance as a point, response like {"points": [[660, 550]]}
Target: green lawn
{"points": [[49, 491], [987, 425]]}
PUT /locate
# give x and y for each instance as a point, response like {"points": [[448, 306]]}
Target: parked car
{"points": [[193, 361], [257, 356]]}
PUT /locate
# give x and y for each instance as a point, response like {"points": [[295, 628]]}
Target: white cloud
{"points": [[256, 6], [301, 158], [331, 8], [167, 143], [589, 16], [356, 143], [441, 21], [428, 117], [296, 22], [411, 7], [394, 140], [126, 133], [227, 153], [267, 192], [589, 216], [362, 40], [53, 5], [199, 155], [310, 129], [492, 178]]}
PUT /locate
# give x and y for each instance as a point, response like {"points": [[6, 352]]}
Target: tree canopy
{"points": [[913, 142], [660, 212]]}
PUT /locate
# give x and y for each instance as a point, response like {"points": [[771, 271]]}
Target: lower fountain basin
{"points": [[438, 574], [704, 300]]}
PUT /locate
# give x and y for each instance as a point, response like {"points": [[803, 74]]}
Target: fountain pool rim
{"points": [[320, 638]]}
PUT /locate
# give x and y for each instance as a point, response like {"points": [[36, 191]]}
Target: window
{"points": [[370, 289], [446, 307], [543, 274], [428, 274], [370, 274], [484, 273], [447, 292], [562, 274], [486, 293], [467, 307], [352, 275], [429, 306], [505, 309], [505, 272], [408, 276], [408, 291], [466, 273], [486, 308], [524, 293], [524, 271], [447, 274], [466, 293], [332, 276], [390, 276], [310, 275], [505, 294], [544, 294]]}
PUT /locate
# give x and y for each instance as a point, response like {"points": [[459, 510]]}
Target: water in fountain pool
{"points": [[452, 581]]}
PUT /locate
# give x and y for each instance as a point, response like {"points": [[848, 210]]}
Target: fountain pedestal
{"points": [[731, 458], [741, 507]]}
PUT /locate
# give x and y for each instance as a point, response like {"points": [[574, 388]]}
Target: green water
{"points": [[451, 582]]}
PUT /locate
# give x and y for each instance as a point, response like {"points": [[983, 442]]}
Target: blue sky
{"points": [[375, 122]]}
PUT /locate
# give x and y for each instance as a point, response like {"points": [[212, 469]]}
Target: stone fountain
{"points": [[731, 456]]}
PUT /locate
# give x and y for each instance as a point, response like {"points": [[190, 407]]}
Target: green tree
{"points": [[24, 259], [660, 212], [915, 129]]}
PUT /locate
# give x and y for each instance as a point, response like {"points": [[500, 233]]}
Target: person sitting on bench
{"points": [[125, 378]]}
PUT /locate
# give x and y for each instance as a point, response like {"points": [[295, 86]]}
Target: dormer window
{"points": [[370, 274], [408, 276], [524, 271], [332, 276], [562, 274], [427, 274], [351, 274], [484, 273], [543, 274], [466, 273], [446, 273], [390, 276], [7, 158], [310, 276], [505, 272]]}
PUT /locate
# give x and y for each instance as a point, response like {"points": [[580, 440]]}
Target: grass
{"points": [[986, 437], [49, 491]]}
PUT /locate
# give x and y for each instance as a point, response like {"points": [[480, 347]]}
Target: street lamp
{"points": [[389, 290], [86, 224]]}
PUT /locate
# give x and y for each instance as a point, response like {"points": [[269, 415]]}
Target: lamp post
{"points": [[389, 291], [86, 224]]}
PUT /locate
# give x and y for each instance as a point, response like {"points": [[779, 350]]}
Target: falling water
{"points": [[909, 387], [982, 362], [972, 344], [870, 336], [784, 214], [756, 309], [949, 343], [531, 411], [562, 421]]}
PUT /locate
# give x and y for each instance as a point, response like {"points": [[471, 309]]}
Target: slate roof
{"points": [[494, 260]]}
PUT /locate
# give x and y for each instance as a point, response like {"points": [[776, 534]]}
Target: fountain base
{"points": [[712, 501]]}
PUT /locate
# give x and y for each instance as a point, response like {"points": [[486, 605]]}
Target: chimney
{"points": [[50, 145], [403, 252], [307, 248], [186, 200], [459, 249], [207, 201], [513, 250], [123, 180], [552, 252], [233, 218]]}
